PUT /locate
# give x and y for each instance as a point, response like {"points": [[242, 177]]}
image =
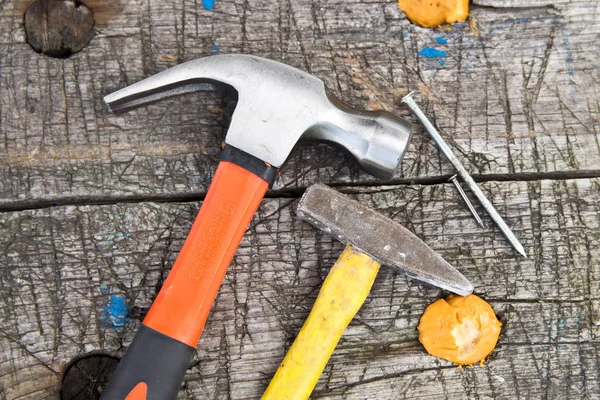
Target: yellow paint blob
{"points": [[460, 329], [432, 13]]}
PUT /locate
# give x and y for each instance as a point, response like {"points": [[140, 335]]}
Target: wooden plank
{"points": [[517, 95], [63, 265]]}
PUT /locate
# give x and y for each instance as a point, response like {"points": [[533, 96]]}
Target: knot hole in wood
{"points": [[87, 376], [58, 28]]}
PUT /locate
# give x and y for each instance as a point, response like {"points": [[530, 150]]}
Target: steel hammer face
{"points": [[277, 107]]}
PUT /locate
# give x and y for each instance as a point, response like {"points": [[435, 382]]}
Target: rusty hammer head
{"points": [[379, 237], [278, 106]]}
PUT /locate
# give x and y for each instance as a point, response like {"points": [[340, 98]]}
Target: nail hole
{"points": [[86, 376], [58, 28]]}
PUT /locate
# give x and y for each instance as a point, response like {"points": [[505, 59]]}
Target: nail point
{"points": [[523, 253]]}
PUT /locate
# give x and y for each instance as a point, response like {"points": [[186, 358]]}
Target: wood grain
{"points": [[95, 206], [61, 264], [516, 96]]}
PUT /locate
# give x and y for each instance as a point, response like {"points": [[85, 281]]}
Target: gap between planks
{"points": [[345, 187]]}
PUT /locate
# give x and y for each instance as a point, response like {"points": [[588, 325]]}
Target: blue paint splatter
{"points": [[569, 59], [429, 52], [208, 4], [115, 313], [441, 40], [215, 49]]}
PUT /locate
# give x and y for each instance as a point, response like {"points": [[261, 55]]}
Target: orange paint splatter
{"points": [[432, 13], [460, 329]]}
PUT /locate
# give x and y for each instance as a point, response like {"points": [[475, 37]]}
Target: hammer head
{"points": [[382, 239], [279, 105]]}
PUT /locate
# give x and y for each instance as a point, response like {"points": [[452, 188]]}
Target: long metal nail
{"points": [[410, 102], [466, 199]]}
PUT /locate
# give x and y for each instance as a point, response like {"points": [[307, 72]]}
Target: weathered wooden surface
{"points": [[517, 94], [517, 97], [62, 264]]}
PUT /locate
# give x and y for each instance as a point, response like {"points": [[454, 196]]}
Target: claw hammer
{"points": [[278, 106]]}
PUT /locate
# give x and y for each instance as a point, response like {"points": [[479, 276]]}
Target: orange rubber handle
{"points": [[182, 305]]}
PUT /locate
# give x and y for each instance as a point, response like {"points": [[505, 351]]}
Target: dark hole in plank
{"points": [[86, 376], [58, 28]]}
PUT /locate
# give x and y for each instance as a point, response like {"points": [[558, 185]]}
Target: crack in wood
{"points": [[21, 205]]}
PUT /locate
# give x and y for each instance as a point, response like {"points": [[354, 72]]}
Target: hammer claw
{"points": [[130, 101], [200, 74]]}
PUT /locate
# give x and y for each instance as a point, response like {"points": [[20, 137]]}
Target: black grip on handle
{"points": [[156, 359], [253, 164]]}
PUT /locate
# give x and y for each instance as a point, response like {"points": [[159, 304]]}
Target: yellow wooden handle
{"points": [[341, 296]]}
